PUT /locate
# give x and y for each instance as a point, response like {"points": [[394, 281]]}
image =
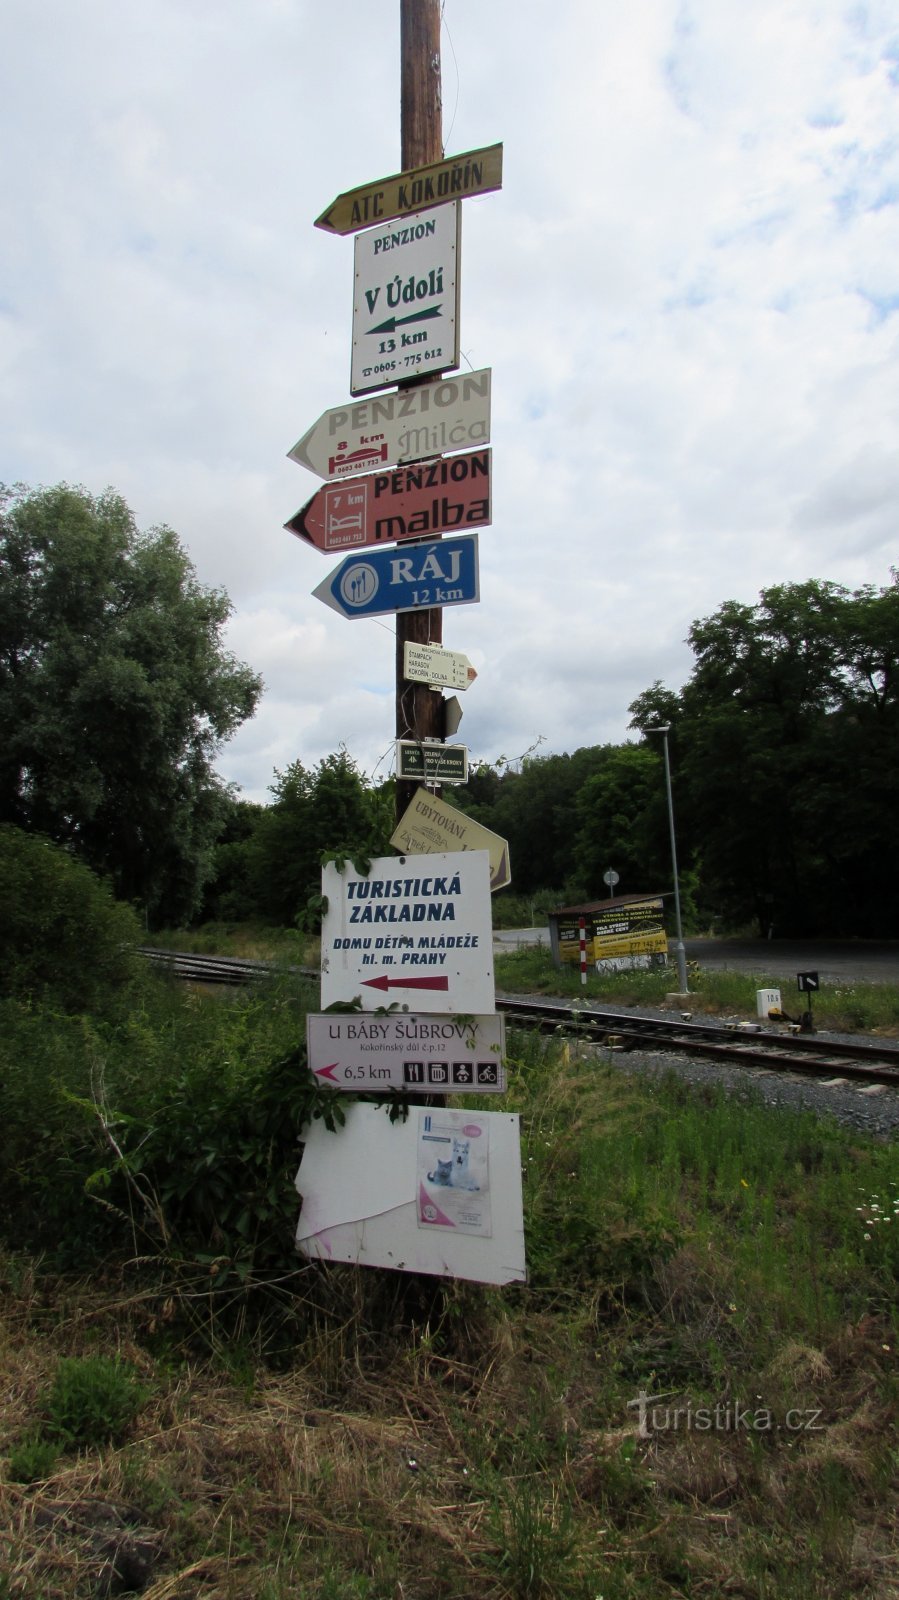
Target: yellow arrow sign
{"points": [[429, 825], [476, 172]]}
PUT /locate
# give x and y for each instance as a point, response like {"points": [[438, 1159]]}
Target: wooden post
{"points": [[419, 710]]}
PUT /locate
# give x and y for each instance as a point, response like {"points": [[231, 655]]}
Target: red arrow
{"points": [[405, 983], [327, 1072]]}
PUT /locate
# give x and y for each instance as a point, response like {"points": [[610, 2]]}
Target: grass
{"points": [[843, 1008], [404, 1436], [248, 941]]}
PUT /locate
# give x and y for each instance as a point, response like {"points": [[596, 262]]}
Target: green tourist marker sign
{"points": [[428, 762]]}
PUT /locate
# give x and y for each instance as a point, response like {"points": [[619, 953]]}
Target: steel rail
{"points": [[230, 970], [746, 1044]]}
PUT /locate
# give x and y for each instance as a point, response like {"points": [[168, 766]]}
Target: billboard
{"points": [[620, 937]]}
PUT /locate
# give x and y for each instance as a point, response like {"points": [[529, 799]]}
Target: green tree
{"points": [[536, 810], [784, 753], [622, 823], [331, 809], [116, 693], [230, 894]]}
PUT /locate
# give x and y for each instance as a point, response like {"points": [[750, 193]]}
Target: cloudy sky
{"points": [[687, 291]]}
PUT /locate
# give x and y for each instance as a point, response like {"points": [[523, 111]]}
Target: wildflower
{"points": [[744, 1183], [867, 1236]]}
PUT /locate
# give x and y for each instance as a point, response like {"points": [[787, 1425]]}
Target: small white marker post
{"points": [[582, 926]]}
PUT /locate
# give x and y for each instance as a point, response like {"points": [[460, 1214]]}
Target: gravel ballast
{"points": [[871, 1108]]}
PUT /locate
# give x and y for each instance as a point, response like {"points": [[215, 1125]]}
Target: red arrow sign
{"points": [[327, 1072], [449, 494], [406, 983]]}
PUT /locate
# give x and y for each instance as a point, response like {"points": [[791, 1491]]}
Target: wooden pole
{"points": [[419, 710]]}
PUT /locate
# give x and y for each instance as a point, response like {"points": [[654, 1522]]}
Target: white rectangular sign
{"points": [[430, 663], [416, 930], [431, 420], [364, 1196], [406, 299], [449, 1055]]}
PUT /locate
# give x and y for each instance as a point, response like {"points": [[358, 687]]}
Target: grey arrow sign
{"points": [[367, 435]]}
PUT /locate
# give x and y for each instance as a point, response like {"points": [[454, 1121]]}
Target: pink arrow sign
{"points": [[327, 1072], [406, 983]]}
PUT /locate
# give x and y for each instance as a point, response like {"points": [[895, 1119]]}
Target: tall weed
{"points": [[176, 1131]]}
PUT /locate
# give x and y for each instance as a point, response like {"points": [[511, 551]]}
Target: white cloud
{"points": [[687, 291]]}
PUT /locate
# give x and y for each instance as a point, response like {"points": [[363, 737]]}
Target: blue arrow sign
{"points": [[407, 578]]}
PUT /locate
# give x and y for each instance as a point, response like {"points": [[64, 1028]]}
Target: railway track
{"points": [[747, 1045], [227, 970]]}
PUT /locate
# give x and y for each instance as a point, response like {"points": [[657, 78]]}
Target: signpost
{"points": [[430, 663], [444, 1195], [808, 983], [445, 495], [432, 762], [406, 426], [476, 172], [414, 929], [430, 824], [410, 1052], [406, 300], [444, 574]]}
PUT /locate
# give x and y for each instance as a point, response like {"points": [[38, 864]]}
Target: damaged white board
{"points": [[439, 1193], [415, 930], [408, 1051]]}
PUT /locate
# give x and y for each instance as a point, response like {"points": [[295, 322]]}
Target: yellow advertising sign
{"points": [[429, 825], [476, 172], [628, 944], [618, 935]]}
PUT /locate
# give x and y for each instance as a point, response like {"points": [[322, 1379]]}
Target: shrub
{"points": [[63, 937], [93, 1399], [32, 1459]]}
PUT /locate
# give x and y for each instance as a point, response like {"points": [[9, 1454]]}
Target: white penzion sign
{"points": [[455, 1055], [429, 420], [406, 299], [415, 930]]}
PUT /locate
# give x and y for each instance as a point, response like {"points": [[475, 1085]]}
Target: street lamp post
{"points": [[680, 953]]}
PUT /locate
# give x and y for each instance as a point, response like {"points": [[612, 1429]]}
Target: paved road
{"points": [[835, 961], [865, 961]]}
